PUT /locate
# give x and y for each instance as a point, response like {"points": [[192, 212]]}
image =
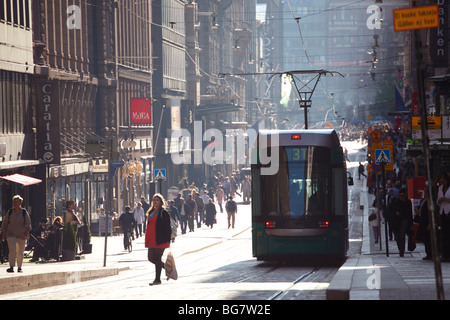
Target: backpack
{"points": [[24, 214]]}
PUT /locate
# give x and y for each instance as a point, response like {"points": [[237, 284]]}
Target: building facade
{"points": [[17, 128]]}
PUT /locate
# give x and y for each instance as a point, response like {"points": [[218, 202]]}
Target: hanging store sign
{"points": [[48, 124], [439, 38], [140, 111], [423, 17]]}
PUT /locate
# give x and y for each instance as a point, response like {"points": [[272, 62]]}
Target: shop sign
{"points": [[48, 123], [140, 111]]}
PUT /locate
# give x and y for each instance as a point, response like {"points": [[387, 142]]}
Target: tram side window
{"points": [[340, 189]]}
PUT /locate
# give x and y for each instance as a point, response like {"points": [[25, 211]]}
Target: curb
{"points": [[42, 280], [341, 285]]}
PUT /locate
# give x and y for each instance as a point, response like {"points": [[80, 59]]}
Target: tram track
{"points": [[282, 293]]}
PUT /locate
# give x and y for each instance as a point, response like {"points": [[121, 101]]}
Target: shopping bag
{"points": [[169, 266]]}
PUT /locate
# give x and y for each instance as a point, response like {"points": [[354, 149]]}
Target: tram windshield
{"points": [[301, 187]]}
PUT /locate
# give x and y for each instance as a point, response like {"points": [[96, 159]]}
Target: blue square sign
{"points": [[382, 156], [160, 174]]}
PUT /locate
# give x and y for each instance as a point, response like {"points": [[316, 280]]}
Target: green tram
{"points": [[301, 210]]}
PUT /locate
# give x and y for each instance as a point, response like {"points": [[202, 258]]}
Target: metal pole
{"points": [[426, 153], [384, 209], [108, 199]]}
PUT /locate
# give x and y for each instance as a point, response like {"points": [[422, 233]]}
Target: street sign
{"points": [[423, 17], [160, 174], [376, 168], [376, 135], [383, 156], [434, 127]]}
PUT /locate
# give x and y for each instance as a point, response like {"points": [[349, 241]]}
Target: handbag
{"points": [[169, 266], [411, 242]]}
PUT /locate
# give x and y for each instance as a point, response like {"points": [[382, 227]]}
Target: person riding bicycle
{"points": [[127, 223]]}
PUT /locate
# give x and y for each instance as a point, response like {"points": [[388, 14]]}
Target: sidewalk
{"points": [[91, 266], [374, 276]]}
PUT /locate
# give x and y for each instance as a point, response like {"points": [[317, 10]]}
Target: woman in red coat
{"points": [[157, 235]]}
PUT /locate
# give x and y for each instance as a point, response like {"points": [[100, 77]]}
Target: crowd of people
{"points": [[407, 220], [192, 208], [17, 235]]}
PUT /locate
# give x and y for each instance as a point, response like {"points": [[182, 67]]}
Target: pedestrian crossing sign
{"points": [[383, 156], [160, 174]]}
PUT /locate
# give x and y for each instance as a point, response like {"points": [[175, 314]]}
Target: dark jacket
{"points": [[163, 229]]}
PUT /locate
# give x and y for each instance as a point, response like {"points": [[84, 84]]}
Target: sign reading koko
{"points": [[48, 126]]}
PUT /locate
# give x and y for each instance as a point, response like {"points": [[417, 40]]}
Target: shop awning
{"points": [[214, 108], [21, 179]]}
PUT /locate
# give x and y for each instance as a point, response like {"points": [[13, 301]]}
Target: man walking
{"points": [[139, 216], [231, 208]]}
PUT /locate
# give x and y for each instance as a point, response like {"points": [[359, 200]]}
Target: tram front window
{"points": [[300, 188]]}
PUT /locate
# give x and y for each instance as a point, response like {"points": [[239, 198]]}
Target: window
{"points": [[15, 12], [8, 11], [14, 101], [22, 13], [2, 10], [301, 187]]}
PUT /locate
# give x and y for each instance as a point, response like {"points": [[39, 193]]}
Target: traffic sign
{"points": [[383, 156], [376, 135], [160, 174], [376, 167], [416, 18]]}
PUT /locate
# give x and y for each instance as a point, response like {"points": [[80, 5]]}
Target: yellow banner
{"points": [[416, 18]]}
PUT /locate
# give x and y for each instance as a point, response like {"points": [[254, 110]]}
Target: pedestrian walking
{"points": [[145, 206], [374, 221], [191, 207], [175, 217], [361, 171], [246, 190], [210, 213], [16, 227], [423, 232], [402, 220], [226, 185], [183, 215], [231, 208], [139, 216], [200, 209], [443, 201], [220, 195], [157, 235]]}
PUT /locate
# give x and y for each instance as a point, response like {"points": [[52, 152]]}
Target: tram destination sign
{"points": [[414, 18]]}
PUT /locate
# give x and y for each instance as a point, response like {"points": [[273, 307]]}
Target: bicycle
{"points": [[129, 246]]}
